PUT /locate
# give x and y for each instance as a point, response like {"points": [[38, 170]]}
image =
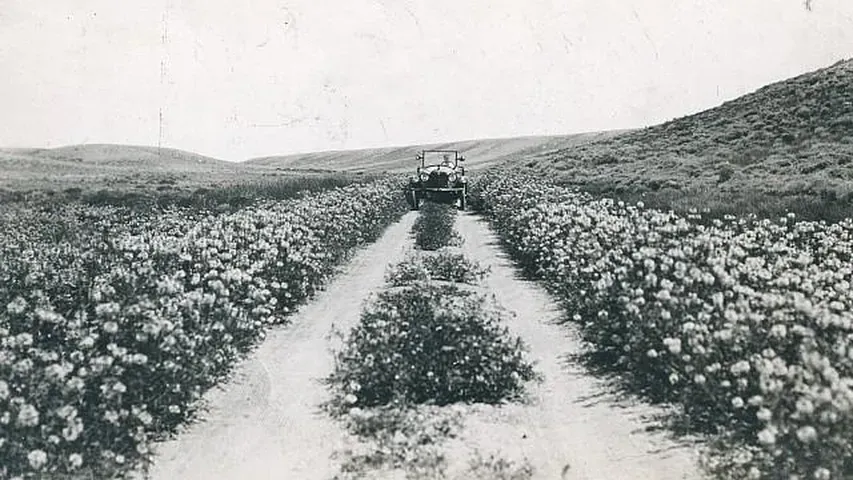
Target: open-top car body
{"points": [[440, 177]]}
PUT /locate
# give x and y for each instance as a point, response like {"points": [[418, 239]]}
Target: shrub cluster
{"points": [[112, 324], [433, 343], [433, 228], [445, 264], [745, 323]]}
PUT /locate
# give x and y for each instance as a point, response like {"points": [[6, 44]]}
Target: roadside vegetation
{"points": [[744, 324], [113, 322]]}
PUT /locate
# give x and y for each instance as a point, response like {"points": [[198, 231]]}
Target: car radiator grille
{"points": [[437, 180]]}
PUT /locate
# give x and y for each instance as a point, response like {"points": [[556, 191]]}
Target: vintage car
{"points": [[439, 178]]}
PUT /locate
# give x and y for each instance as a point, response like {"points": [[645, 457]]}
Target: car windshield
{"points": [[440, 158]]}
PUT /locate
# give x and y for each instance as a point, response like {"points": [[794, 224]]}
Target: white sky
{"points": [[241, 79]]}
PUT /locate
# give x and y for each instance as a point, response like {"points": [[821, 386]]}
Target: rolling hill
{"points": [[105, 158], [786, 146], [102, 164], [479, 154]]}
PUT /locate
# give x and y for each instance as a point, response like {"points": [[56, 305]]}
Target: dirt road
{"points": [[571, 428], [266, 424]]}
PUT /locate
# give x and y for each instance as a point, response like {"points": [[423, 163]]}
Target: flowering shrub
{"points": [[112, 325], [433, 343], [746, 323], [433, 228], [444, 264]]}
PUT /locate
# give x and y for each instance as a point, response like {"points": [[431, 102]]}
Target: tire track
{"points": [[571, 428], [265, 423]]}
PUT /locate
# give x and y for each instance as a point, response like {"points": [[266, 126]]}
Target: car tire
{"points": [[415, 201]]}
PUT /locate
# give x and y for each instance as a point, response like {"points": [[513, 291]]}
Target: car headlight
{"points": [[424, 177], [452, 177]]}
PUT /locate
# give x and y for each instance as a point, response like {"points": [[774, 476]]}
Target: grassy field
{"points": [[786, 147], [126, 175]]}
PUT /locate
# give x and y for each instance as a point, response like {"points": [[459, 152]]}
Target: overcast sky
{"points": [[236, 80]]}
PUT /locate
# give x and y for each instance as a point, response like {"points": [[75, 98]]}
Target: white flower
{"points": [[76, 460], [108, 309], [87, 342], [111, 416], [37, 459], [764, 414], [16, 306], [737, 402], [807, 434], [779, 331], [766, 437], [28, 416], [145, 418], [350, 399], [73, 430], [822, 474], [674, 345], [740, 367], [4, 390], [805, 406]]}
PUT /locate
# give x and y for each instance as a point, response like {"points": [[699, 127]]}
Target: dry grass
{"points": [[480, 154], [786, 147], [146, 177]]}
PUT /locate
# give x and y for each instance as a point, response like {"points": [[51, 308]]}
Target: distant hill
{"points": [[105, 156], [479, 154], [786, 142], [95, 166]]}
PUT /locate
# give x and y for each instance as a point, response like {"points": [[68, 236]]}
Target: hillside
{"points": [[479, 154], [787, 145], [102, 164]]}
